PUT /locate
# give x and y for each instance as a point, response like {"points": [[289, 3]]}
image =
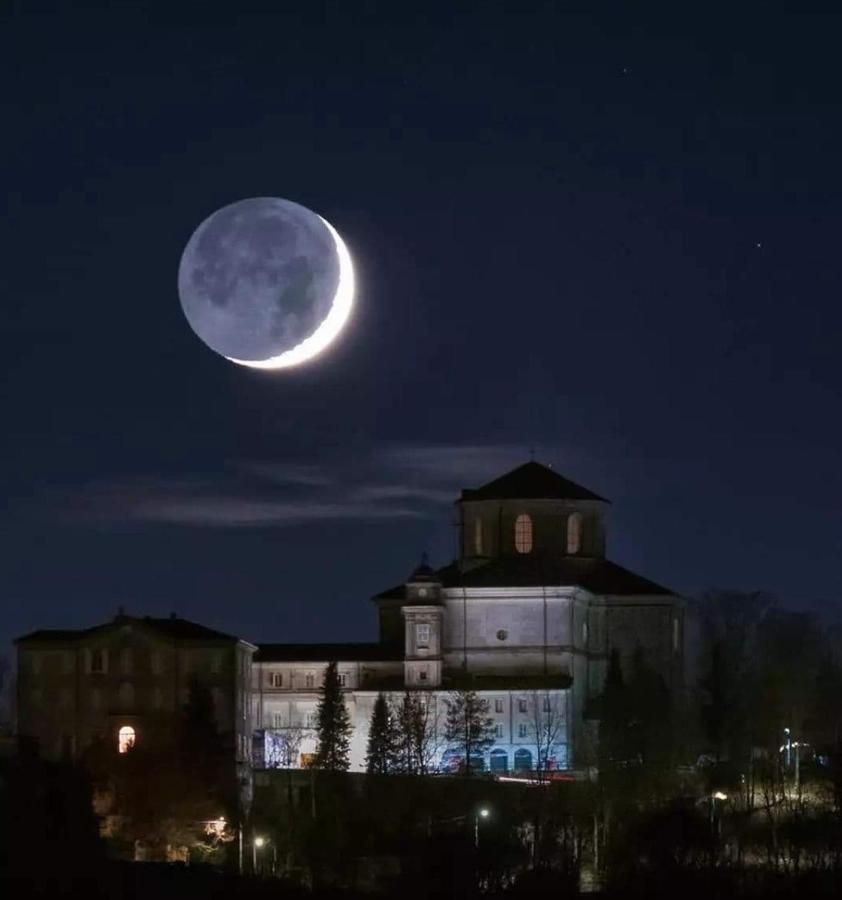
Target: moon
{"points": [[266, 283]]}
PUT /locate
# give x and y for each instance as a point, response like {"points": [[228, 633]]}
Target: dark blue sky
{"points": [[613, 239]]}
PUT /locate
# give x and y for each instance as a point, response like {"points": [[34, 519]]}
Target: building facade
{"points": [[126, 681], [526, 615]]}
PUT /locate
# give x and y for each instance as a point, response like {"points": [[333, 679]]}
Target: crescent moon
{"points": [[340, 310]]}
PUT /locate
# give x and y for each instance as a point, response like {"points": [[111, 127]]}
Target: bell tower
{"points": [[422, 614], [529, 511]]}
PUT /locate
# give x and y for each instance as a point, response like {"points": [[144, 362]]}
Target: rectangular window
{"points": [[521, 730], [498, 730], [277, 720], [310, 719], [522, 705], [498, 705], [422, 635], [546, 704], [422, 674], [99, 661], [309, 680], [216, 663], [126, 661], [343, 679], [276, 679]]}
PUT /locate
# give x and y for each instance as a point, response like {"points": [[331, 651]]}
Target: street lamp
{"points": [[482, 813], [258, 844], [714, 819]]}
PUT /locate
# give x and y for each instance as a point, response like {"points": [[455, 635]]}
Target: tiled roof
{"points": [[172, 627], [531, 481], [327, 653], [599, 576]]}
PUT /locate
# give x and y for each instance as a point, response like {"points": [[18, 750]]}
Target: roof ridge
{"points": [[531, 480]]}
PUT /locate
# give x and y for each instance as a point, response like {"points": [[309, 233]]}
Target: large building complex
{"points": [[526, 615]]}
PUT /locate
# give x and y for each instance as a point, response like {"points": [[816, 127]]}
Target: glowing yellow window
{"points": [[125, 738], [523, 533]]}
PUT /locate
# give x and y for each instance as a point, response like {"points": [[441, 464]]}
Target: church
{"points": [[526, 615]]}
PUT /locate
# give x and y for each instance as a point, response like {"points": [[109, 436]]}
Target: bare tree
{"points": [[547, 727], [283, 744]]}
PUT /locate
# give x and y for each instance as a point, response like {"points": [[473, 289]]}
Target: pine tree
{"points": [[468, 728], [614, 719], [382, 739], [333, 728]]}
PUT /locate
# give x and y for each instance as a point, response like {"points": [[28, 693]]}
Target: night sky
{"points": [[612, 241]]}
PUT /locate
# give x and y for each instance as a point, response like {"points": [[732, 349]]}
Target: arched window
{"points": [[125, 738], [523, 533], [499, 761], [478, 537], [574, 532], [523, 760]]}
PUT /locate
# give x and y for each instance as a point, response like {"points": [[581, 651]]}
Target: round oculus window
{"points": [[502, 634]]}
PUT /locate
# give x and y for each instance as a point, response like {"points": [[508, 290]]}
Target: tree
{"points": [[417, 732], [731, 623], [650, 736], [468, 727], [548, 725], [179, 776], [382, 739], [281, 746], [614, 714], [333, 728]]}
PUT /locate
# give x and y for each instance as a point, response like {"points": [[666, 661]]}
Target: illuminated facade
{"points": [[527, 615]]}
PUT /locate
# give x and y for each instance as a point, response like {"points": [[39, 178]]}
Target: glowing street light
{"points": [[482, 813], [258, 843]]}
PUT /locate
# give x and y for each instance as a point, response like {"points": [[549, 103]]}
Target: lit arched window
{"points": [[523, 533], [478, 537], [574, 532], [125, 738]]}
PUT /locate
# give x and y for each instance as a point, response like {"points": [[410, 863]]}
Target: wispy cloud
{"points": [[235, 512], [400, 481], [286, 473], [449, 463]]}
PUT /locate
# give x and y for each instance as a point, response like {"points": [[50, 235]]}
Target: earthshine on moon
{"points": [[266, 283]]}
